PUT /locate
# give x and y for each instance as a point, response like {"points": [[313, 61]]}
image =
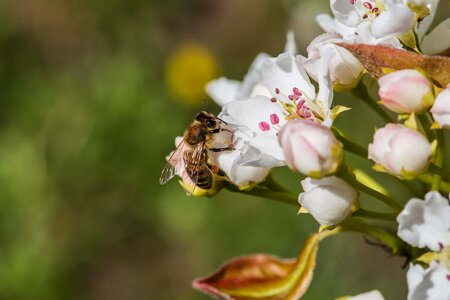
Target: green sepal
{"points": [[337, 110], [411, 121], [409, 40], [302, 210], [379, 168]]}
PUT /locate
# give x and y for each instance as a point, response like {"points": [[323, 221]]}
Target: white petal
{"points": [[425, 24], [222, 90], [325, 94], [329, 200], [331, 25], [260, 89], [438, 39], [365, 36], [345, 12], [285, 73], [291, 45], [426, 223], [429, 284], [396, 19], [263, 148], [238, 174], [253, 76]]}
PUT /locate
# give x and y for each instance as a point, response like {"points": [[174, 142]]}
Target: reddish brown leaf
{"points": [[262, 276], [376, 57]]}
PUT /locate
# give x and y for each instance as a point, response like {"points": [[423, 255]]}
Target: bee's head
{"points": [[209, 120]]}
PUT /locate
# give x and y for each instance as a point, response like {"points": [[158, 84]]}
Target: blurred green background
{"points": [[92, 94]]}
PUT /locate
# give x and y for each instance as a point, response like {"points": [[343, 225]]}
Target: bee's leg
{"points": [[229, 148], [216, 170], [217, 130]]}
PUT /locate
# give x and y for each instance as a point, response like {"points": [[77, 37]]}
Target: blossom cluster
{"points": [[278, 118]]}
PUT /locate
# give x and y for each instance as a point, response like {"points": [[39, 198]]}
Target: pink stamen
{"points": [[297, 91], [264, 126], [293, 97], [274, 119], [306, 114], [448, 277], [300, 104], [375, 9], [273, 99], [303, 112], [367, 5], [352, 2], [277, 91], [441, 246]]}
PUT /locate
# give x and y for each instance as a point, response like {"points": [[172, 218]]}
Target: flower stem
{"points": [[375, 215], [428, 179], [395, 245], [350, 179], [285, 197], [273, 185], [349, 145], [436, 169], [425, 123], [361, 93]]}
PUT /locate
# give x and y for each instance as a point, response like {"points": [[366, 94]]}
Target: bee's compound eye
{"points": [[211, 123]]}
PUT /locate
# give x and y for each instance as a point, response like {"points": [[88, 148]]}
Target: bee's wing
{"points": [[174, 162], [195, 158]]}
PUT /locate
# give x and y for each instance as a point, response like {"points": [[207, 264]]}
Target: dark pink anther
{"points": [[375, 9], [277, 91], [264, 126], [273, 99], [274, 119], [448, 277], [367, 5], [303, 112], [297, 91], [306, 114], [293, 97], [352, 2], [300, 104], [441, 246]]}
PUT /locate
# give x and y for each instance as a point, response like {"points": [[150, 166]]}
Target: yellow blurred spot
{"points": [[188, 69]]}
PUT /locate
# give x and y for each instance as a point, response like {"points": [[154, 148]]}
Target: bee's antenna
{"points": [[204, 104]]}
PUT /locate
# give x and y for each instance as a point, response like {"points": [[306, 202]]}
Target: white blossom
{"points": [[401, 151], [432, 283], [426, 223], [369, 22], [406, 91], [329, 200], [310, 148], [345, 69], [441, 108]]}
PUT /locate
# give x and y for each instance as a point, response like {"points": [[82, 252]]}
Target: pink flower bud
{"points": [[310, 148], [441, 108], [329, 200], [402, 151], [405, 91]]}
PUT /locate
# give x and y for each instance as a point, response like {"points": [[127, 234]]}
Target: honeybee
{"points": [[191, 155]]}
